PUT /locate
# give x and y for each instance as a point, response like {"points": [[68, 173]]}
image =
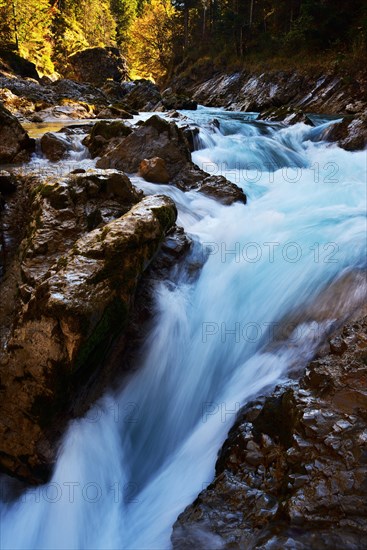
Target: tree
{"points": [[26, 27], [124, 12], [80, 24], [8, 34], [151, 47]]}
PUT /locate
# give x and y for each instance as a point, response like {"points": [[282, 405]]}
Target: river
{"points": [[278, 274]]}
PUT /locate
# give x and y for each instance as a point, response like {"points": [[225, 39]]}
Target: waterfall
{"points": [[260, 306]]}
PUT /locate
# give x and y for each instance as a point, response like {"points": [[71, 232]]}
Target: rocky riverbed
{"points": [[73, 250], [79, 254], [292, 472]]}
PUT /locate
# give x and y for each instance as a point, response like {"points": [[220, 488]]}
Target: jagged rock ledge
{"points": [[292, 472], [88, 239], [287, 96], [129, 149]]}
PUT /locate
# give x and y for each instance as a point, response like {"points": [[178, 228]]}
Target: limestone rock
{"points": [[102, 135], [349, 134], [159, 138], [170, 100], [87, 243], [54, 146], [8, 183], [15, 144], [153, 138], [140, 95], [154, 170], [96, 65], [292, 471], [11, 61]]}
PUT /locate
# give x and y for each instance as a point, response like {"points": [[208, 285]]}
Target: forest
{"points": [[156, 36]]}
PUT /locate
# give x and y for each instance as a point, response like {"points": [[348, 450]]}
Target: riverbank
{"points": [[292, 471], [288, 96]]}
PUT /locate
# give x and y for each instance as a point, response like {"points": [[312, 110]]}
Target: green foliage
{"points": [[150, 49], [26, 26], [79, 25], [125, 12], [7, 37]]}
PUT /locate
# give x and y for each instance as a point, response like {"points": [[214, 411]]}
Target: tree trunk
{"points": [[251, 12], [14, 5]]}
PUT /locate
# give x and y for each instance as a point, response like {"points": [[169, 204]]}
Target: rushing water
{"points": [[258, 308]]}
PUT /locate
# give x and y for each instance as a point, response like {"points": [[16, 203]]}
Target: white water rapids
{"points": [[257, 309]]}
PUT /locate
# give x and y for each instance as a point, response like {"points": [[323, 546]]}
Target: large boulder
{"points": [[96, 65], [88, 241], [15, 144], [154, 170], [153, 138], [140, 95], [54, 146], [159, 138], [8, 183], [104, 134], [60, 98], [171, 100], [76, 91], [349, 134], [292, 471], [14, 63]]}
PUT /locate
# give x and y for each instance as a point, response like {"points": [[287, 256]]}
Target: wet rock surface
{"points": [[54, 146], [88, 239], [349, 134], [15, 144], [318, 93], [154, 170], [158, 138], [288, 96], [292, 472]]}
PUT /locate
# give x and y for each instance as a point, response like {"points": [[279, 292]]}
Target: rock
{"points": [[159, 138], [171, 100], [190, 132], [17, 64], [16, 104], [291, 472], [114, 91], [154, 138], [154, 170], [349, 134], [71, 110], [27, 96], [8, 183], [88, 241], [15, 144], [140, 95], [114, 111], [338, 346], [223, 190], [277, 94], [96, 65], [77, 91], [102, 135], [54, 146]]}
